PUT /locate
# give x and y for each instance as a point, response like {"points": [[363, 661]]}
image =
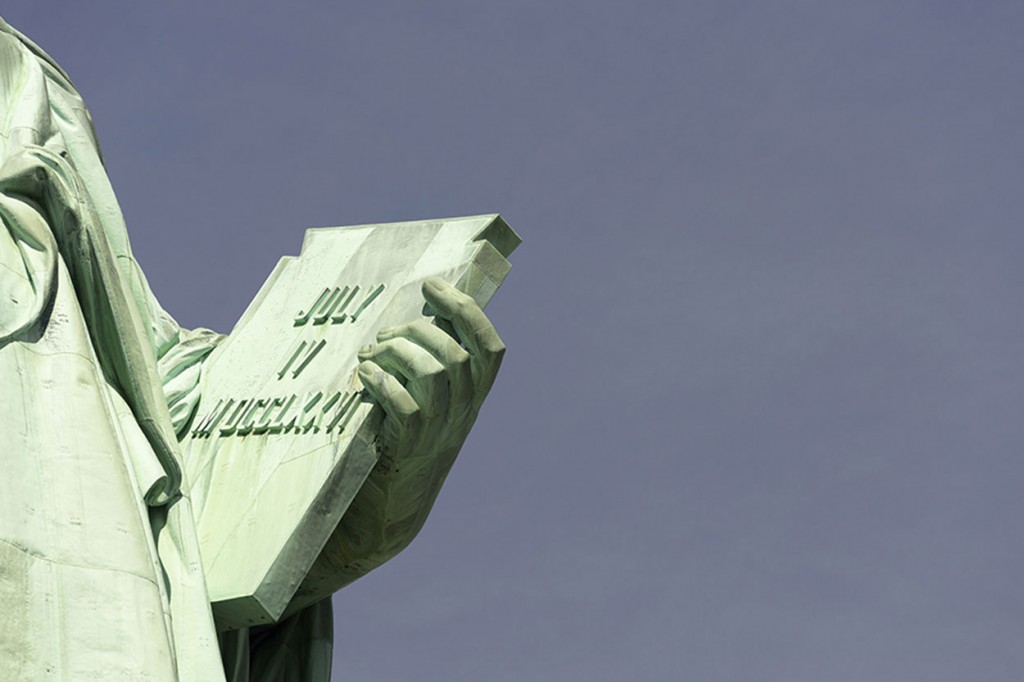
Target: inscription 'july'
{"points": [[334, 304]]}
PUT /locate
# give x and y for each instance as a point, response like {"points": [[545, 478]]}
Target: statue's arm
{"points": [[179, 363], [39, 184], [431, 383], [179, 352]]}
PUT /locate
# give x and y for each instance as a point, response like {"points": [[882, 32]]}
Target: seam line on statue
{"points": [[35, 554], [7, 135], [131, 259], [255, 498], [32, 349], [17, 273], [211, 457], [252, 504]]}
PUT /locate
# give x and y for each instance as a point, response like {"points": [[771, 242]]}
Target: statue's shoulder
{"points": [[17, 50], [15, 60], [12, 50]]}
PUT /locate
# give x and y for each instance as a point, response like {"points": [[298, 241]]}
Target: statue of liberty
{"points": [[101, 574]]}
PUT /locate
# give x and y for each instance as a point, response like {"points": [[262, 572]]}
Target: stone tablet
{"points": [[285, 436]]}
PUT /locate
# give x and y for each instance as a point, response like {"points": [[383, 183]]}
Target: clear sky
{"points": [[761, 413]]}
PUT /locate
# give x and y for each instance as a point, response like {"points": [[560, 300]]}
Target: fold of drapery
{"points": [[46, 207], [27, 264], [106, 574], [62, 233]]}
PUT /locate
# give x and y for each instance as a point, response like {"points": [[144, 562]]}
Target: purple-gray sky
{"points": [[760, 418]]}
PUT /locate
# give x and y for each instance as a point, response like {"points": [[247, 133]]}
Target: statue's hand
{"points": [[429, 382]]}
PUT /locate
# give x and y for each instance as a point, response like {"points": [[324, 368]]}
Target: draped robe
{"points": [[100, 573]]}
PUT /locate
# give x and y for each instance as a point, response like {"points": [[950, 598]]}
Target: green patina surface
{"points": [[180, 504]]}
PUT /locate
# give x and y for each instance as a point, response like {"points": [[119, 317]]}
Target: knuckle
{"points": [[432, 374], [419, 325], [495, 346], [383, 348], [408, 412], [399, 343], [464, 303], [458, 357]]}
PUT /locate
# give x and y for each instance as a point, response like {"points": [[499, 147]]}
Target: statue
{"points": [[179, 504]]}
